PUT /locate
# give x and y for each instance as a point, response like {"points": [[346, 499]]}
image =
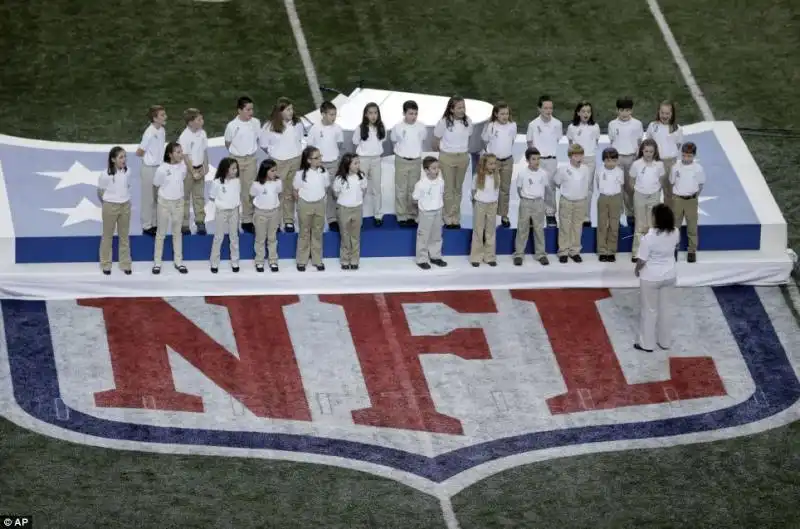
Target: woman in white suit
{"points": [[656, 270]]}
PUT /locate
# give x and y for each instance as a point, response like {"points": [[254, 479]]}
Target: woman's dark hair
{"points": [[663, 218], [263, 169], [171, 146], [224, 167], [380, 128], [112, 155], [344, 167]]}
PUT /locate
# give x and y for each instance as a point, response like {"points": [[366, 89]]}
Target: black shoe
{"points": [[333, 226], [457, 226], [378, 223], [492, 263], [587, 224], [345, 267], [603, 258], [182, 269], [439, 262], [259, 268], [411, 223], [562, 258], [451, 226], [107, 272], [288, 227], [518, 261], [150, 231], [214, 270], [201, 228], [640, 348], [544, 261], [630, 220], [248, 227], [128, 272], [235, 269], [475, 265], [551, 221], [633, 259], [611, 258], [156, 270], [402, 223], [576, 258], [504, 222], [301, 268], [185, 230], [692, 257], [424, 266], [353, 267], [273, 268], [320, 267]]}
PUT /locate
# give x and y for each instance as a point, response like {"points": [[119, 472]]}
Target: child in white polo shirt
{"points": [[114, 192], [194, 143], [242, 141], [625, 134], [485, 192], [544, 133], [498, 136], [687, 180], [646, 176], [349, 187], [226, 194], [169, 179], [451, 138], [151, 151], [572, 181], [310, 187], [669, 137], [531, 183], [586, 133], [429, 195], [609, 180], [408, 137], [328, 137], [266, 192], [368, 140]]}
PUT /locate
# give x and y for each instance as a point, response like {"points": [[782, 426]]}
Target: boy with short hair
{"points": [[687, 179], [625, 133], [531, 184], [328, 137], [151, 151], [407, 137], [194, 143], [242, 142], [429, 195], [573, 181], [544, 133], [609, 180]]}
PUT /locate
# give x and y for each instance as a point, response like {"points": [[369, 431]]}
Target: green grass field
{"points": [[86, 71]]}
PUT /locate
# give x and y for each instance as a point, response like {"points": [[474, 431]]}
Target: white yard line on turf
{"points": [[302, 49], [680, 60]]}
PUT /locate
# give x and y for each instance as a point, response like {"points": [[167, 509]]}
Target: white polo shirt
{"points": [[408, 139], [226, 195], [116, 188], [587, 136], [326, 138], [315, 185], [647, 177], [545, 135], [153, 144], [573, 181], [266, 196], [169, 180], [453, 138], [668, 142], [285, 145], [609, 182], [372, 146], [194, 145], [531, 184], [243, 136], [350, 193], [687, 179], [489, 193], [625, 135], [429, 194], [500, 138], [658, 250]]}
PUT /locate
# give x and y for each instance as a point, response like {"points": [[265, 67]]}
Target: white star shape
{"points": [[700, 201], [85, 210], [75, 175]]}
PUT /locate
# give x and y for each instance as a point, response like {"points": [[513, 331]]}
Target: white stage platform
{"points": [[382, 274]]}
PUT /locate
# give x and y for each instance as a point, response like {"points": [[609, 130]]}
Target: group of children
{"points": [[319, 184]]}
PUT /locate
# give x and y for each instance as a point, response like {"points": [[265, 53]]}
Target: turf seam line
{"points": [[680, 60], [302, 49]]}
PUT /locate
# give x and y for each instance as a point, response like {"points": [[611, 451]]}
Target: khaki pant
{"points": [[267, 222], [625, 163], [484, 229], [429, 235], [506, 169], [226, 220], [149, 198], [687, 208], [570, 226], [591, 163], [655, 326], [643, 212], [609, 208], [311, 217], [531, 213], [371, 167], [170, 216], [116, 217], [665, 185], [247, 175], [194, 189], [454, 171], [550, 166], [350, 234], [330, 200], [286, 170], [406, 175]]}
